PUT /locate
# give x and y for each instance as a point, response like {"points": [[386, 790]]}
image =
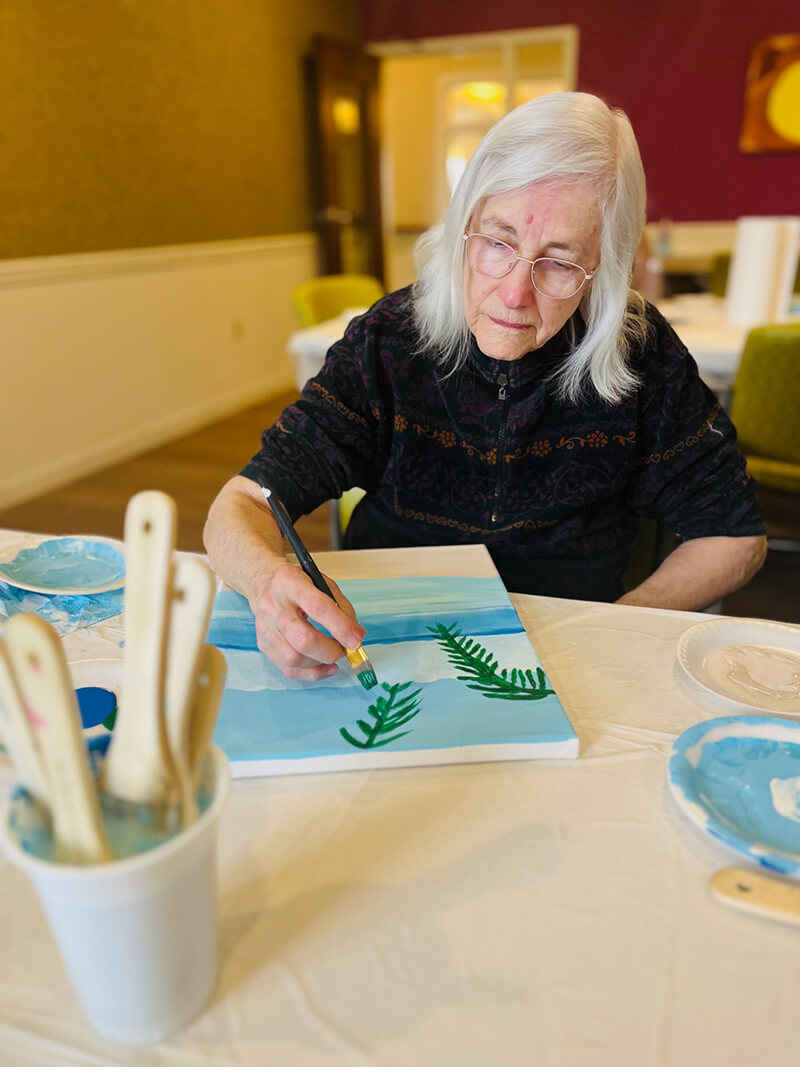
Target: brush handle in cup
{"points": [[18, 735], [139, 767], [193, 587], [40, 667]]}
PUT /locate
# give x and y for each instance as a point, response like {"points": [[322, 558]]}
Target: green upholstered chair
{"points": [[329, 295], [765, 407]]}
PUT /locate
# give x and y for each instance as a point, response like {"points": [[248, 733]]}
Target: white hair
{"points": [[564, 137]]}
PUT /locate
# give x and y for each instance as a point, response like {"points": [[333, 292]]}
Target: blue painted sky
{"points": [[392, 609]]}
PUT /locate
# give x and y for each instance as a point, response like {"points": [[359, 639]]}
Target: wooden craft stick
{"points": [[772, 898]]}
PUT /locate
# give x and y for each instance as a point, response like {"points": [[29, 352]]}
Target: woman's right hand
{"points": [[285, 602]]}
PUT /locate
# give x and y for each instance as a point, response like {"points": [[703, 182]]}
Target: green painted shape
{"points": [[389, 714], [482, 671]]}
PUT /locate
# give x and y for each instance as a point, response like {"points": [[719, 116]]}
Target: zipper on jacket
{"points": [[502, 396]]}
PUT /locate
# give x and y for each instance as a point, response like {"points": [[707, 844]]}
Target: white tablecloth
{"points": [[554, 913]]}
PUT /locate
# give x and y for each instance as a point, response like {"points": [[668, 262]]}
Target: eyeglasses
{"points": [[556, 278]]}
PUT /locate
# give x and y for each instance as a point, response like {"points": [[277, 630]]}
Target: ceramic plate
{"points": [[738, 778], [65, 565], [716, 694]]}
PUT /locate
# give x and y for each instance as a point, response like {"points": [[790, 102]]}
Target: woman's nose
{"points": [[516, 288]]}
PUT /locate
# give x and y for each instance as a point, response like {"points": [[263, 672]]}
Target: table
{"points": [[698, 319], [548, 913], [307, 347], [716, 344]]}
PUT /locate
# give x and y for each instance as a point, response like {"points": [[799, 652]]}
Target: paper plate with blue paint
{"points": [[71, 566], [738, 778]]}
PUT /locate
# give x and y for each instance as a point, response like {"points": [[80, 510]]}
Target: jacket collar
{"points": [[533, 366]]}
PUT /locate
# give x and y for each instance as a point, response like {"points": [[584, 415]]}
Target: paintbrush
{"points": [[18, 734], [356, 657], [192, 600], [40, 668], [139, 768]]}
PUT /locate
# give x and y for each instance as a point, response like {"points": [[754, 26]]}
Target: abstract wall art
{"points": [[771, 115]]}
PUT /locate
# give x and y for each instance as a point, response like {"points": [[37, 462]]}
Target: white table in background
{"points": [[529, 914], [308, 347], [697, 318], [716, 344]]}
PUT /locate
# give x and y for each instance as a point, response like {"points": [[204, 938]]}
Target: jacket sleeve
{"points": [[328, 440], [688, 474]]}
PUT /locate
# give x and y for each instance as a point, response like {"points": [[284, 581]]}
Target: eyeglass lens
{"points": [[551, 277]]}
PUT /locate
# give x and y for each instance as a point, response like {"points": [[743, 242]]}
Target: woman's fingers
{"points": [[288, 660], [345, 606], [290, 639]]}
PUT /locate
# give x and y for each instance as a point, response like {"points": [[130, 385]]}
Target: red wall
{"points": [[679, 74]]}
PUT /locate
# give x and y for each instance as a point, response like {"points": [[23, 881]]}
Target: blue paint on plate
{"points": [[66, 564], [738, 778]]}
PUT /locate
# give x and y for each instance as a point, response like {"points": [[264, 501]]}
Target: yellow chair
{"points": [[765, 407], [327, 296], [316, 301]]}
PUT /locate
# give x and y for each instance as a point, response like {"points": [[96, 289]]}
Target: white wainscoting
{"points": [[105, 355]]}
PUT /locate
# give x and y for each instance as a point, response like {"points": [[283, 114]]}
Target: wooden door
{"points": [[348, 199]]}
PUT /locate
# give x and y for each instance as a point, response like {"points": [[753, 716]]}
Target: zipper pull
{"points": [[502, 381]]}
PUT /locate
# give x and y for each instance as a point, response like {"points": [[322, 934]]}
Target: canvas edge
{"points": [[566, 748]]}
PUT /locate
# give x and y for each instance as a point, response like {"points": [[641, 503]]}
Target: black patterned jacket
{"points": [[555, 490]]}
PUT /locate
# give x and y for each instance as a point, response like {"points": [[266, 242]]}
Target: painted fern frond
{"points": [[480, 670], [388, 713]]}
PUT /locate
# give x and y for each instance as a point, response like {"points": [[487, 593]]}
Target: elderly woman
{"points": [[519, 394]]}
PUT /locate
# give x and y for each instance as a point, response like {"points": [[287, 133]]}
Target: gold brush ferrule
{"points": [[356, 657], [363, 669]]}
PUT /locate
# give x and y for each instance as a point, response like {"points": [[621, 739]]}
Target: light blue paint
{"points": [[298, 724], [66, 564], [127, 834], [422, 660], [65, 613], [265, 717], [391, 609], [728, 773]]}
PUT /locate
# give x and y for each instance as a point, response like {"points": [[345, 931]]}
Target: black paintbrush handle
{"points": [[297, 546]]}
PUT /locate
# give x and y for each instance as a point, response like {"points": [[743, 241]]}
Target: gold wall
{"points": [[127, 123]]}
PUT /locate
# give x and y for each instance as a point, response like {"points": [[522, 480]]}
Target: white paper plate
{"points": [[726, 697], [738, 779], [75, 566]]}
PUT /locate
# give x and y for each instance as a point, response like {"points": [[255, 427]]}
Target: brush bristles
{"points": [[367, 678]]}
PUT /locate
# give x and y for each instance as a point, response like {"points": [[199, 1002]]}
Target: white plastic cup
{"points": [[138, 936]]}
